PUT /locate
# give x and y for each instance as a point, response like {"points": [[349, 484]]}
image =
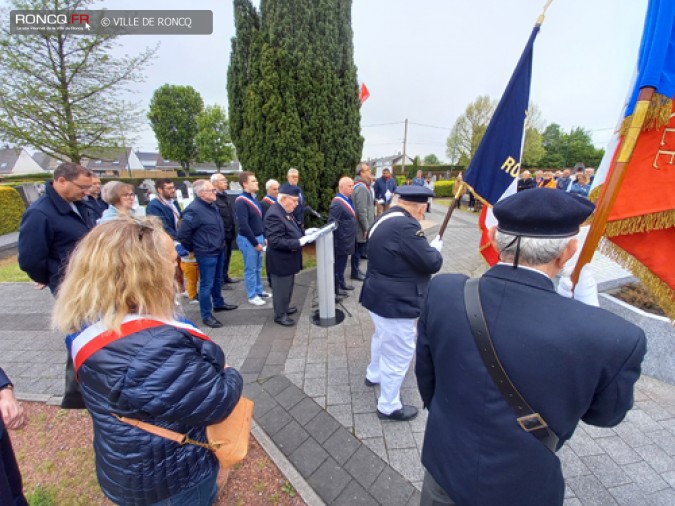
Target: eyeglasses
{"points": [[127, 195], [81, 186]]}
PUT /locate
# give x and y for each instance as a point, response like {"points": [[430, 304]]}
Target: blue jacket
{"points": [[570, 361], [166, 377], [381, 187], [49, 231], [202, 230], [249, 220], [344, 237], [156, 208], [284, 253], [400, 265]]}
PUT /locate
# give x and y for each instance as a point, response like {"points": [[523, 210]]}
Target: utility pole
{"points": [[405, 141]]}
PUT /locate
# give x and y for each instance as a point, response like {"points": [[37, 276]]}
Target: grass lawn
{"points": [[10, 272]]}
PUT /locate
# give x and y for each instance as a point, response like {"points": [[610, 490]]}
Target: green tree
{"points": [[469, 129], [60, 93], [533, 148], [431, 159], [293, 94], [173, 116], [567, 149], [213, 137]]}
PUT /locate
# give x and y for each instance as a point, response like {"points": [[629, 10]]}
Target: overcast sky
{"points": [[425, 60]]}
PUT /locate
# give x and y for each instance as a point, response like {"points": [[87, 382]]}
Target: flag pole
{"points": [[610, 189]]}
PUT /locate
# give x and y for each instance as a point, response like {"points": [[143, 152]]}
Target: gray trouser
{"points": [[433, 494], [283, 290]]}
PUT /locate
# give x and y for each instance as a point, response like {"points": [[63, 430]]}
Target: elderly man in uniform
{"points": [[400, 265], [568, 361], [284, 250], [343, 212]]}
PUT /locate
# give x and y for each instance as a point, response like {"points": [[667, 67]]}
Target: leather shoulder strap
{"points": [[528, 419]]}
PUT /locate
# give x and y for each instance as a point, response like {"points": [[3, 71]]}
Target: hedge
{"points": [[444, 188], [12, 210]]}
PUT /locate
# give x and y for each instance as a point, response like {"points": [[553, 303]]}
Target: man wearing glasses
{"points": [[49, 231], [202, 232]]}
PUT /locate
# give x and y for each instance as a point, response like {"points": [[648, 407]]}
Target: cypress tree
{"points": [[293, 95]]}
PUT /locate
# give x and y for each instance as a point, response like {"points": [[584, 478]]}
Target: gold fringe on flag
{"points": [[640, 224], [664, 295], [658, 114], [478, 197]]}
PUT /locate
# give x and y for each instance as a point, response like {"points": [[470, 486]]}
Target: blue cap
{"points": [[542, 212], [289, 189], [414, 193]]}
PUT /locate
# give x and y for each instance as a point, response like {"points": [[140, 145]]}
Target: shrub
{"points": [[400, 180], [12, 210], [444, 188]]}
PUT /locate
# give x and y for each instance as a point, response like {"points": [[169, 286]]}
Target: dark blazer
{"points": [[284, 253], [202, 229], [96, 206], [299, 211], [157, 208], [49, 231], [570, 361], [227, 214], [400, 265], [526, 184], [344, 237], [382, 185]]}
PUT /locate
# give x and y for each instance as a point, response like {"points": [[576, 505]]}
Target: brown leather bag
{"points": [[228, 439]]}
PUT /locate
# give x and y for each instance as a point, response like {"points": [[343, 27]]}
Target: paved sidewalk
{"points": [[307, 383]]}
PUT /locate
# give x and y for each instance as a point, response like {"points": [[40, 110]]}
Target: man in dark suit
{"points": [[165, 206], [570, 361], [400, 265], [219, 182], [93, 199], [384, 187], [284, 251], [343, 212]]}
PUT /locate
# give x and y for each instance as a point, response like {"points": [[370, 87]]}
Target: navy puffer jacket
{"points": [[166, 377]]}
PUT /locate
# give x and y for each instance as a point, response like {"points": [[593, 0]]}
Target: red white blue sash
{"points": [[269, 200], [96, 336], [251, 203], [348, 205]]}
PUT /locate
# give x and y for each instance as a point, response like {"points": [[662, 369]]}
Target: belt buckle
{"points": [[532, 422]]}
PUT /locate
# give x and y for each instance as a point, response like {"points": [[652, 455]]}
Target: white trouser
{"points": [[391, 349]]}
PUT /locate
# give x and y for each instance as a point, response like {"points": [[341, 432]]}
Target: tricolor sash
{"points": [[346, 203], [96, 337], [269, 200], [251, 203]]}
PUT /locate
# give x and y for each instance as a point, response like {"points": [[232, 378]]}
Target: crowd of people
{"points": [[116, 278], [578, 184]]}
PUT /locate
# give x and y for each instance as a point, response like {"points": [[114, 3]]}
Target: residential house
{"points": [[388, 162], [18, 161]]}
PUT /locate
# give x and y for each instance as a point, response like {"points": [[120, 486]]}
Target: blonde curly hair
{"points": [[125, 266]]}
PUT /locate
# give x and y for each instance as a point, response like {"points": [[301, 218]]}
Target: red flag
{"points": [[363, 93]]}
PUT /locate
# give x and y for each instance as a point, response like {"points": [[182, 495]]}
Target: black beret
{"points": [[414, 193], [290, 189], [542, 212]]}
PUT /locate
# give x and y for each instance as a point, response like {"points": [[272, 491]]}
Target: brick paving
{"points": [[307, 384]]}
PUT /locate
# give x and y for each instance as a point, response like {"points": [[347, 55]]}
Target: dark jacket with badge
{"points": [[400, 265], [227, 214], [344, 236], [157, 208], [166, 377], [49, 232], [570, 361], [202, 230], [284, 253]]}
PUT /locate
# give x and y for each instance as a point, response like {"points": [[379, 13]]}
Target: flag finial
{"points": [[540, 19]]}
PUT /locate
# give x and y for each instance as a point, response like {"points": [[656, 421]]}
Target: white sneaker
{"points": [[194, 301], [256, 301], [265, 295]]}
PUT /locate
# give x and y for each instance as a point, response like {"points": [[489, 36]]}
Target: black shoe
{"points": [[285, 321], [73, 400], [370, 383], [346, 287], [365, 257], [231, 280], [400, 415], [292, 310], [212, 322], [358, 277], [225, 307], [227, 287]]}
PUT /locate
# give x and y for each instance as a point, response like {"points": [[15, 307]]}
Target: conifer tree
{"points": [[293, 94]]}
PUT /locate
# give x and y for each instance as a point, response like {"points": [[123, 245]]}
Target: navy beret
{"points": [[414, 193], [290, 189], [542, 212]]}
